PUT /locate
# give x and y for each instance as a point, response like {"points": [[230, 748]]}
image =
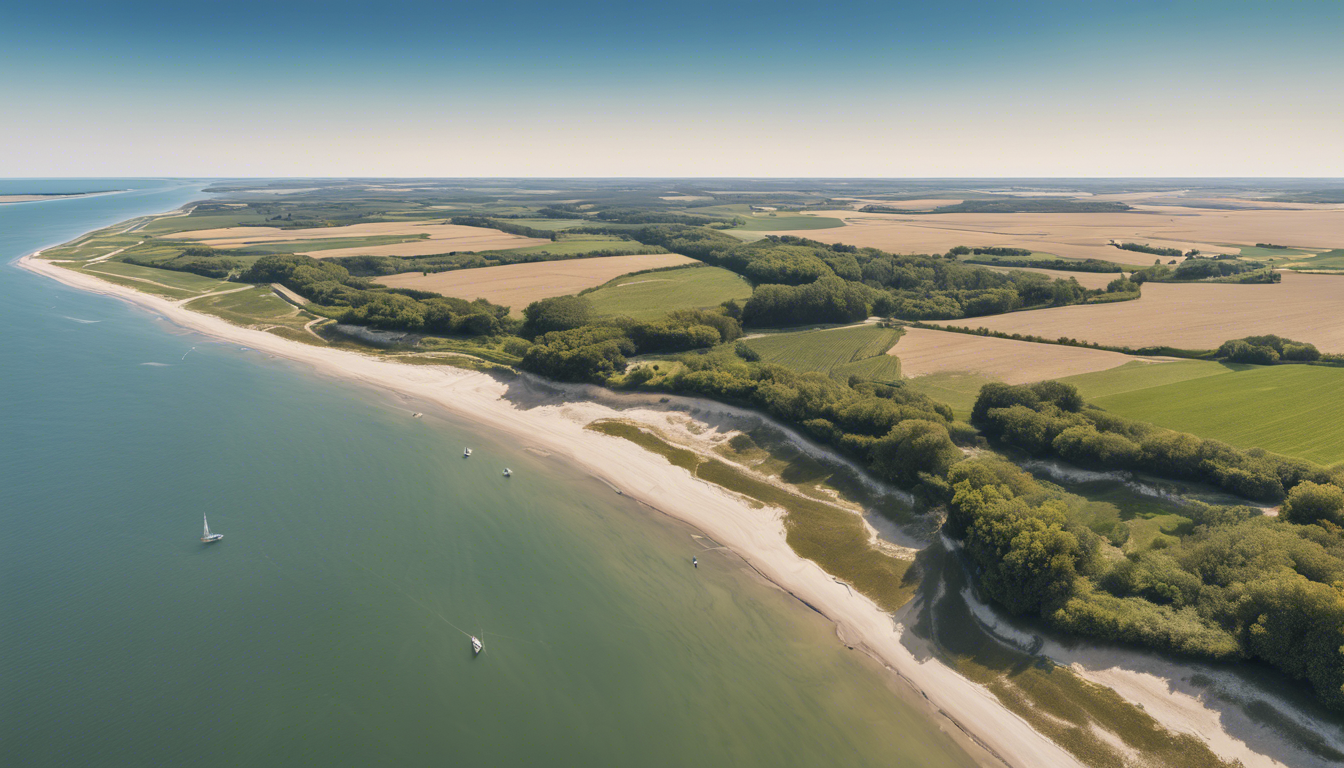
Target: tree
{"points": [[1309, 502]]}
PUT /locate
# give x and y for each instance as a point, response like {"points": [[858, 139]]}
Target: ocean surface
{"points": [[330, 626]]}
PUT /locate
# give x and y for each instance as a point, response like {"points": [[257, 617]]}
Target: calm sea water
{"points": [[327, 628]]}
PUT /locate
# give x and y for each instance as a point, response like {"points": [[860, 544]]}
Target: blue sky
{"points": [[690, 88]]}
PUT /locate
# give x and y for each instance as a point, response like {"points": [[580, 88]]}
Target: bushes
{"points": [[1267, 350], [1310, 502], [828, 300], [1047, 420], [558, 313]]}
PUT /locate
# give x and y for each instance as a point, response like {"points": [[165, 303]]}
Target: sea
{"points": [[330, 626]]}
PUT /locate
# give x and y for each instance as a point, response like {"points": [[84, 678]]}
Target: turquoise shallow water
{"points": [[326, 627]]}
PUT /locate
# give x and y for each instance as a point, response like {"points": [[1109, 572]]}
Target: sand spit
{"points": [[923, 352], [1303, 307], [542, 416], [517, 285]]}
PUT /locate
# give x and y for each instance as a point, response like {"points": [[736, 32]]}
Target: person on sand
{"points": [[695, 562]]}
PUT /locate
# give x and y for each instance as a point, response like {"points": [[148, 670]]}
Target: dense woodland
{"points": [[1242, 585]]}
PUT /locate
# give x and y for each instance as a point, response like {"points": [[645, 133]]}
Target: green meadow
{"points": [[650, 295], [767, 222], [1287, 409], [841, 352]]}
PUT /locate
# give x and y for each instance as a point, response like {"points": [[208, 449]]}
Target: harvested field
{"points": [[1086, 235], [1304, 307], [924, 352], [517, 285], [441, 238]]}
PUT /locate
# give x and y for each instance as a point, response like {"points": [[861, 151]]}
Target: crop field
{"points": [[651, 295], [206, 222], [430, 238], [1303, 307], [1087, 235], [1138, 375], [570, 246], [1085, 279], [1289, 409], [765, 222], [1333, 259], [925, 352], [853, 350], [517, 285]]}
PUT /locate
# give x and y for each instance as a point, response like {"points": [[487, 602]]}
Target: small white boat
{"points": [[476, 646], [508, 472], [208, 537], [466, 452]]}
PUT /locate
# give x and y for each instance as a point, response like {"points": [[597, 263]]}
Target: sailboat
{"points": [[508, 472], [466, 452], [476, 646], [208, 537]]}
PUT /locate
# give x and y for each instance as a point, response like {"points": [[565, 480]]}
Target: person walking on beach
{"points": [[695, 562]]}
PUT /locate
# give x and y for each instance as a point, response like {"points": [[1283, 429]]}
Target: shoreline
{"points": [[44, 198], [969, 713]]}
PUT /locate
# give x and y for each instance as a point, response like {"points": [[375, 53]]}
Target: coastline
{"points": [[968, 712]]}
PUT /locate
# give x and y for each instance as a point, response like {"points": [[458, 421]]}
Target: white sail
{"points": [[207, 526]]}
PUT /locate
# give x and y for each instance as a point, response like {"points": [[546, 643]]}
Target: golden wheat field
{"points": [[442, 238], [517, 285], [1086, 235], [924, 352], [1303, 307]]}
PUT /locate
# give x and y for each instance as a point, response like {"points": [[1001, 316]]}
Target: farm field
{"points": [[924, 352], [517, 285], [1288, 409], [1138, 375], [651, 295], [1085, 279], [841, 352], [178, 284], [787, 221], [1303, 307], [437, 237], [256, 306], [1087, 235]]}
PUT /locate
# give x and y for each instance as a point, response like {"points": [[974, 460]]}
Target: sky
{"points": [[785, 89]]}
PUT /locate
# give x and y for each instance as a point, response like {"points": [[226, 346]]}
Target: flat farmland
{"points": [[1087, 235], [650, 296], [852, 350], [517, 285], [1304, 307], [434, 237], [1289, 409], [924, 352]]}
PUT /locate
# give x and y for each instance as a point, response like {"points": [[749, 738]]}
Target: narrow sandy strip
{"points": [[757, 535]]}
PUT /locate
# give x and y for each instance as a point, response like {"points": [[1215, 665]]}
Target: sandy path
{"points": [[757, 535], [1195, 315], [923, 352]]}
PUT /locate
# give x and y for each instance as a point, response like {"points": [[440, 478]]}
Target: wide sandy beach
{"points": [[550, 418]]}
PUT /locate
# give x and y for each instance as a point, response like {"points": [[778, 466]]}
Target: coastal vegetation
{"points": [[648, 295], [839, 353]]}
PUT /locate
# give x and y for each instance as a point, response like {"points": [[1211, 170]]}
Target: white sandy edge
{"points": [[757, 535]]}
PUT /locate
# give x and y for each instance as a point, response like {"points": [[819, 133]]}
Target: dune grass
{"points": [[155, 280], [834, 538], [650, 295]]}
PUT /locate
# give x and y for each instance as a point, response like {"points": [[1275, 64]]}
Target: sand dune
{"points": [[1195, 315], [925, 352]]}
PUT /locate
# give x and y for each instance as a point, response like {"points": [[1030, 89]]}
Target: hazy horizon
{"points": [[530, 90]]}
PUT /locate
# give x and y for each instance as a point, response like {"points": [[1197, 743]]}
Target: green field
{"points": [[765, 222], [192, 223], [841, 352], [650, 295], [1288, 409], [958, 390], [257, 305], [162, 281], [1328, 260], [571, 247]]}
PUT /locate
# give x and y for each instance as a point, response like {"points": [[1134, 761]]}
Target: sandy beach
{"points": [[549, 418]]}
